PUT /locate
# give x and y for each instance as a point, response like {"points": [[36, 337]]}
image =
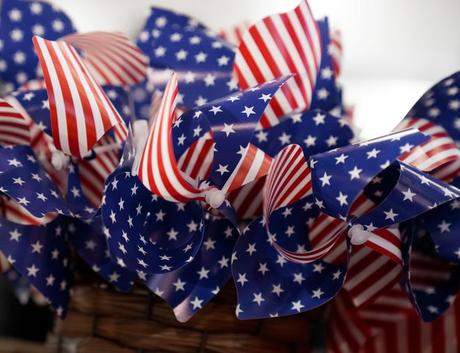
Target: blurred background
{"points": [[393, 50]]}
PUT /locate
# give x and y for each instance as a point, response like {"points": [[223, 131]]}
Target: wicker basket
{"points": [[104, 321]]}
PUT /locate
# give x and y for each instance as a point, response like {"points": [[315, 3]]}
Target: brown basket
{"points": [[105, 321]]}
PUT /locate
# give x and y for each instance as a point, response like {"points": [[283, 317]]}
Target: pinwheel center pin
{"points": [[358, 235], [214, 197]]}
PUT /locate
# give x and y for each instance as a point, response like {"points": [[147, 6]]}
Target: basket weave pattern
{"points": [[102, 320]]}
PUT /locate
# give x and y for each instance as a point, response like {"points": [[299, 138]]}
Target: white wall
{"points": [[394, 49]]}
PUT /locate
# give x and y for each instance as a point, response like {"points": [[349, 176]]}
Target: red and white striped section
{"points": [[158, 169], [276, 46], [94, 172], [248, 200], [438, 151], [288, 180], [80, 111], [196, 161], [235, 33], [391, 325], [14, 127], [369, 274], [254, 165], [111, 57], [336, 51]]}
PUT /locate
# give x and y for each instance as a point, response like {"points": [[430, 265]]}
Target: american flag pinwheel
{"points": [[184, 162], [292, 264]]}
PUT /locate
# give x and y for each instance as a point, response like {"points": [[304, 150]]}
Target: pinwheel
{"points": [[358, 191], [212, 157]]}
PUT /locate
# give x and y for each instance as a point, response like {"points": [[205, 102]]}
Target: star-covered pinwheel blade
{"points": [[90, 243], [442, 223], [315, 131], [142, 229], [267, 284], [232, 121], [23, 180], [326, 95], [191, 287], [412, 194], [202, 60], [340, 175], [431, 282], [440, 105], [20, 20], [41, 255]]}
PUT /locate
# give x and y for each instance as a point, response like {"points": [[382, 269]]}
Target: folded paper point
{"points": [[358, 235], [214, 197]]}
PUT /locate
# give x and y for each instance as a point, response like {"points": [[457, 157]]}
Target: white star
{"points": [[326, 73], [189, 77], [277, 289], [113, 278], [262, 136], [216, 109], [332, 141], [75, 192], [251, 249], [336, 275], [405, 148], [201, 57], [317, 293], [373, 153], [285, 139], [281, 260], [408, 195], [36, 247], [19, 181], [192, 226], [209, 244], [181, 55], [289, 231], [223, 262], [50, 280], [32, 271], [265, 97], [318, 267], [223, 60], [258, 298], [342, 199], [14, 162], [242, 279], [197, 131], [297, 306], [263, 268], [238, 310], [432, 309], [203, 273], [444, 227], [179, 285], [325, 179], [322, 93], [248, 111], [90, 245], [222, 169], [228, 129], [196, 303], [354, 173], [298, 278], [209, 80], [172, 234], [310, 141], [390, 214], [319, 119], [340, 159]]}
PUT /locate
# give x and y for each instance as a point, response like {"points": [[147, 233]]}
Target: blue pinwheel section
{"points": [[23, 180], [202, 60], [41, 255], [267, 284], [20, 20], [189, 288]]}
